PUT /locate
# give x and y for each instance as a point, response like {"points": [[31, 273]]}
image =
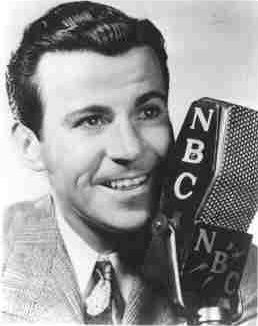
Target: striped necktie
{"points": [[105, 304]]}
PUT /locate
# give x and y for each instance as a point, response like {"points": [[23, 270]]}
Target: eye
{"points": [[150, 112], [92, 121]]}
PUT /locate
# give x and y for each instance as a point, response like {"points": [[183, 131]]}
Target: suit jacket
{"points": [[39, 284]]}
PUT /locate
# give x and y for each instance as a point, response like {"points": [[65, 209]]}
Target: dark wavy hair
{"points": [[73, 26]]}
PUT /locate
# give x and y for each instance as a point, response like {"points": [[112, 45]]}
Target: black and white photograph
{"points": [[129, 164]]}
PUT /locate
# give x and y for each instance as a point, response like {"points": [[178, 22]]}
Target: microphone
{"points": [[210, 196]]}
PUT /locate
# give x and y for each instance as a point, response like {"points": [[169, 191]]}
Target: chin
{"points": [[129, 221]]}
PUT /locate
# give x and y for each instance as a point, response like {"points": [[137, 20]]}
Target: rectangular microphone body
{"points": [[210, 195]]}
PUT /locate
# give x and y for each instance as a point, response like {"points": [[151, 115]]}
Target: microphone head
{"points": [[212, 173], [232, 198]]}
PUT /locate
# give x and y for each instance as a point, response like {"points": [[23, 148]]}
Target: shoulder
{"points": [[18, 216]]}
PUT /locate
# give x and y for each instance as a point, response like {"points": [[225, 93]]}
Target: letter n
{"points": [[205, 123], [208, 243]]}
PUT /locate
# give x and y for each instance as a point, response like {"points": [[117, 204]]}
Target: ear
{"points": [[29, 147]]}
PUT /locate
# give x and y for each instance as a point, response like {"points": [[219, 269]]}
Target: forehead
{"points": [[70, 76]]}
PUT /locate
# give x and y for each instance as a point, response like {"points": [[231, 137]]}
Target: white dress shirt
{"points": [[83, 258]]}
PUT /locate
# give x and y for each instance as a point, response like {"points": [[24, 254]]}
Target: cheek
{"points": [[56, 155], [68, 158], [87, 169], [158, 139]]}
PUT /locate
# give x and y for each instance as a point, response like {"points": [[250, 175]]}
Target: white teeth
{"points": [[127, 183]]}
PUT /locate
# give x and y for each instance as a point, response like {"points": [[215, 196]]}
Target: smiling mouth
{"points": [[127, 184]]}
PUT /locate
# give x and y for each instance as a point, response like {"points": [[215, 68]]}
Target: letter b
{"points": [[194, 151], [220, 262]]}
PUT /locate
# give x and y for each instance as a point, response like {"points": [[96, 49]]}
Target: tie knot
{"points": [[103, 269]]}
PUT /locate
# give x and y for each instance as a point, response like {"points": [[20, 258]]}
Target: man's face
{"points": [[105, 131]]}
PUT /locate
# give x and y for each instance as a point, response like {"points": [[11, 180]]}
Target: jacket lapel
{"points": [[38, 279], [64, 276], [133, 308], [146, 306]]}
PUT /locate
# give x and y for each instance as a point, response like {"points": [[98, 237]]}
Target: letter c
{"points": [[178, 183], [231, 286]]}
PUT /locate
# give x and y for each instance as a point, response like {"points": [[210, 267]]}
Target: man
{"points": [[88, 87]]}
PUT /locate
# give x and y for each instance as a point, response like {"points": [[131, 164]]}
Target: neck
{"points": [[96, 239], [129, 245]]}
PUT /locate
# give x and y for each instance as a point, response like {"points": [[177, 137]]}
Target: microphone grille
{"points": [[233, 197]]}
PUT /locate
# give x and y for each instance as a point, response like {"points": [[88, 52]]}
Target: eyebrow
{"points": [[72, 117], [150, 95]]}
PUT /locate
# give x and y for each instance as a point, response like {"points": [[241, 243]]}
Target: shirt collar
{"points": [[84, 257]]}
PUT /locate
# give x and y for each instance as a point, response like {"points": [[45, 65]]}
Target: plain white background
{"points": [[213, 51]]}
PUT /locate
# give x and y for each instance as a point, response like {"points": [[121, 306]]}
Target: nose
{"points": [[125, 144]]}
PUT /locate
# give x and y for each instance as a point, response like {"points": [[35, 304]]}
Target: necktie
{"points": [[105, 304]]}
